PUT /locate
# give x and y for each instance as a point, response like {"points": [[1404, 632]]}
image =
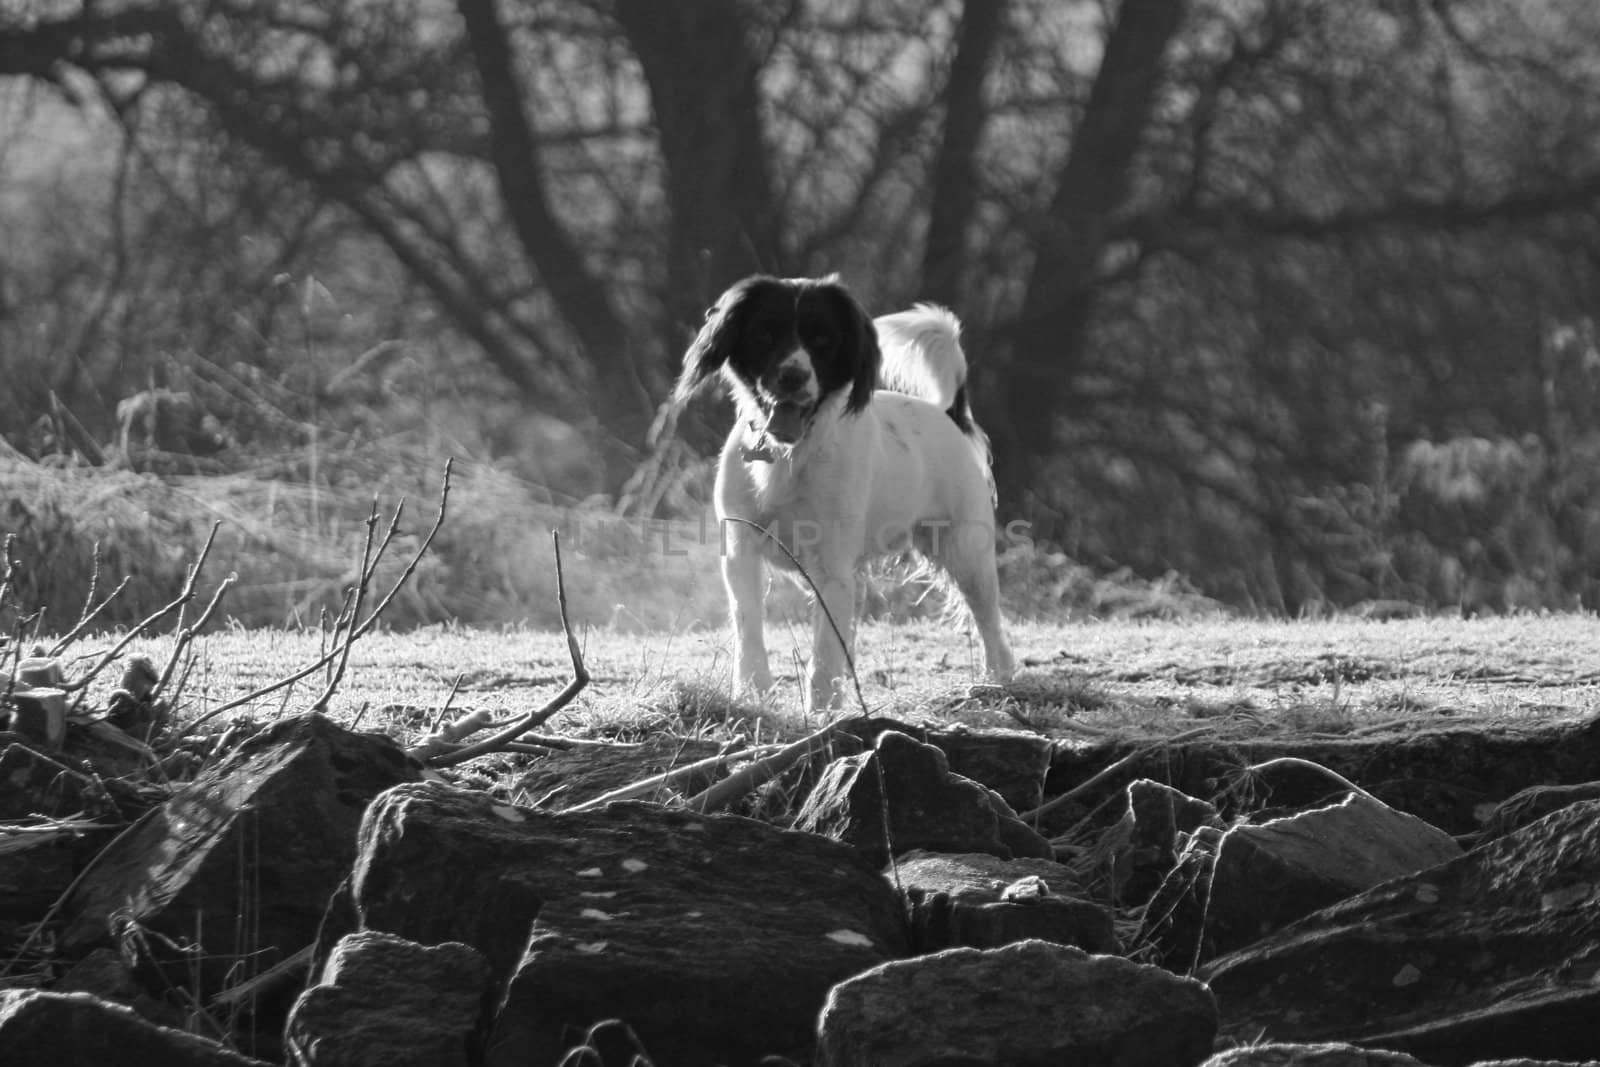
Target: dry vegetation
{"points": [[646, 606], [1081, 680]]}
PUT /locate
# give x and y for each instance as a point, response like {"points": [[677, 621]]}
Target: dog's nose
{"points": [[792, 379]]}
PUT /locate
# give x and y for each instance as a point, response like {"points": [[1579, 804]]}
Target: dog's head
{"points": [[786, 345]]}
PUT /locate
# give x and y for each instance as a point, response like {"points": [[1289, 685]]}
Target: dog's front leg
{"points": [[741, 575], [830, 660]]}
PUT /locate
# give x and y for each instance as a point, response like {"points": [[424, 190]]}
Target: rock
{"points": [[1444, 774], [1011, 763], [1535, 802], [716, 938], [1268, 874], [1331, 1054], [244, 858], [1030, 1004], [388, 1002], [1493, 954], [39, 670], [103, 973], [39, 714], [39, 1029], [929, 808], [979, 901], [1142, 847]]}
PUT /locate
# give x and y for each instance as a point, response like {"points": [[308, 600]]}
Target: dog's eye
{"points": [[817, 340]]}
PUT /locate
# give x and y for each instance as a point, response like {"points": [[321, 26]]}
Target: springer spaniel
{"points": [[854, 441]]}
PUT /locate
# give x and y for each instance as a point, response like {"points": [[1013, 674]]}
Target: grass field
{"points": [[1145, 679]]}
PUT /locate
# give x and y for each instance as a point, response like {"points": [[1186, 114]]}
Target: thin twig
{"points": [[438, 521], [1308, 765], [355, 631], [449, 698], [669, 779], [719, 795], [186, 595], [368, 560], [1120, 765], [88, 617], [580, 679], [185, 635]]}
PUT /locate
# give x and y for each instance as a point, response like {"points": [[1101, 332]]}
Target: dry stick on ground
{"points": [[1133, 757], [580, 679], [356, 630], [187, 594], [444, 709], [719, 795], [669, 779]]}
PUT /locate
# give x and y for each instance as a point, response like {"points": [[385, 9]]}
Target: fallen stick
{"points": [[670, 778], [736, 785], [513, 732], [1083, 787]]}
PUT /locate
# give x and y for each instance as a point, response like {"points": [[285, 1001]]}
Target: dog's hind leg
{"points": [[971, 565]]}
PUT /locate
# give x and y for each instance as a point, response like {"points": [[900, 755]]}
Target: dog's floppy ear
{"points": [[861, 353], [713, 346]]}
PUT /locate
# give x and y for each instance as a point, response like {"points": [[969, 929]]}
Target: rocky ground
{"points": [[1089, 870]]}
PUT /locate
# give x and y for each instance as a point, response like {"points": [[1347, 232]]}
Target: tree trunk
{"points": [[623, 403], [1046, 344], [955, 168], [702, 70]]}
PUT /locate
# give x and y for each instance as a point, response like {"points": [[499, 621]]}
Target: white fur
{"points": [[897, 475], [922, 353]]}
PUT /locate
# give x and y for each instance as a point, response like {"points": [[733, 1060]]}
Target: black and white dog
{"points": [[854, 441]]}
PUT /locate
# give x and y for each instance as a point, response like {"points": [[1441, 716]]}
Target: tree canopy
{"points": [[1226, 266]]}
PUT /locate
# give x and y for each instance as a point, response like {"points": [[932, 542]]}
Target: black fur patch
{"points": [[762, 320], [960, 411]]}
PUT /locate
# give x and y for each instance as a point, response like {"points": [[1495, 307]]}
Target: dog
{"points": [[854, 441]]}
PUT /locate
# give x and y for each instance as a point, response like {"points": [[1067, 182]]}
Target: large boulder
{"points": [[928, 807], [716, 938], [1265, 875], [1493, 954], [1030, 1004], [243, 859], [40, 1029], [383, 1001]]}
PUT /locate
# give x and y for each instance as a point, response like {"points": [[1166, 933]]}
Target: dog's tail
{"points": [[922, 357]]}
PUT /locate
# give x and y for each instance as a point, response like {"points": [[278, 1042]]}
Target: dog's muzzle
{"points": [[786, 422]]}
